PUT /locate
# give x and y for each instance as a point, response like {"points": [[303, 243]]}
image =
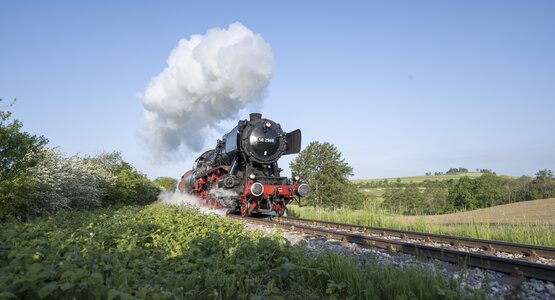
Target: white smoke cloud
{"points": [[208, 78], [178, 198]]}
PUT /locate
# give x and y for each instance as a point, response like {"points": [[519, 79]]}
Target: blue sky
{"points": [[400, 87]]}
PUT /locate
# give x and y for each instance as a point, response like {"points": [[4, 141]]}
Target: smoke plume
{"points": [[208, 78]]}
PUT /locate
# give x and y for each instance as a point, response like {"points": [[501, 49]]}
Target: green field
{"points": [[166, 252], [419, 179]]}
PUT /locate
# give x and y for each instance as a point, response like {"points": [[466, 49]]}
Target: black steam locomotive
{"points": [[242, 172]]}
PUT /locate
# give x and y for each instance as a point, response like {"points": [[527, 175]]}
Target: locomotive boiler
{"points": [[242, 173]]}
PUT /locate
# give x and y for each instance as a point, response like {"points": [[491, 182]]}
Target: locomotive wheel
{"points": [[243, 211], [282, 211]]}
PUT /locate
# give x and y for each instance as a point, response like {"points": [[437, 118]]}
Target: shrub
{"points": [[131, 186], [167, 184], [69, 183]]}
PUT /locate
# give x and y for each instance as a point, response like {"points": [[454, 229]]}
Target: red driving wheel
{"points": [[243, 211], [282, 210]]}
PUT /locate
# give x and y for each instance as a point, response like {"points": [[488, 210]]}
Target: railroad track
{"points": [[520, 260]]}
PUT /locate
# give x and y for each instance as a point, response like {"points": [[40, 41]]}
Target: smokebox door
{"points": [[293, 139]]}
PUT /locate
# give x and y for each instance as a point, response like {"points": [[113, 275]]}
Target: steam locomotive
{"points": [[242, 172]]}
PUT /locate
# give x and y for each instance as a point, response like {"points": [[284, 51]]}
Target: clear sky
{"points": [[400, 87]]}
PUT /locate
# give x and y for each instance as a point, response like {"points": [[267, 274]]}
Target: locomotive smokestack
{"points": [[255, 116]]}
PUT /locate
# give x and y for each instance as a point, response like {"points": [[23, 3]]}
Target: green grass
{"points": [[419, 179], [536, 234], [164, 252]]}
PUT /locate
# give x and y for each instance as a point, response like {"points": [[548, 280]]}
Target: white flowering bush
{"points": [[70, 183]]}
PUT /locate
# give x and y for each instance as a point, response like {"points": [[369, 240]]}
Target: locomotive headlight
{"points": [[297, 178], [303, 190], [257, 189], [252, 176], [268, 124]]}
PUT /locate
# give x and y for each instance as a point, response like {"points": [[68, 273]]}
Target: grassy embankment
{"points": [[531, 222], [163, 252]]}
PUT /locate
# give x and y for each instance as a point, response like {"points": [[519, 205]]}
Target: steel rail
{"points": [[515, 267], [532, 252]]}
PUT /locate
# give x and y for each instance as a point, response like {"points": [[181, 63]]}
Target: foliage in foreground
{"points": [[535, 234], [158, 252]]}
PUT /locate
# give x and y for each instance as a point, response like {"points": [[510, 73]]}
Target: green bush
{"points": [[131, 186], [167, 184], [17, 197]]}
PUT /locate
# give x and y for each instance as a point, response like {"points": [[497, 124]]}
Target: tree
{"points": [[461, 195], [19, 152], [167, 184], [438, 199], [408, 200], [543, 186], [456, 170], [452, 171], [321, 166], [517, 189], [487, 190], [545, 175]]}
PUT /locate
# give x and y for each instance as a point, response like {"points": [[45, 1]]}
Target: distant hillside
{"points": [[530, 212], [418, 179]]}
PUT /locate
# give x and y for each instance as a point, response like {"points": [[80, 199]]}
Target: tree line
{"points": [[467, 193], [490, 190], [37, 180]]}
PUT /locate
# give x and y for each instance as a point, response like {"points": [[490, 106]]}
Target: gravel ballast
{"points": [[497, 285]]}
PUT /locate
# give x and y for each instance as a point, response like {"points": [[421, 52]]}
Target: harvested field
{"points": [[529, 212]]}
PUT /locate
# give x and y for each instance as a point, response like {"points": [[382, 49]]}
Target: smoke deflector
{"points": [[293, 140]]}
